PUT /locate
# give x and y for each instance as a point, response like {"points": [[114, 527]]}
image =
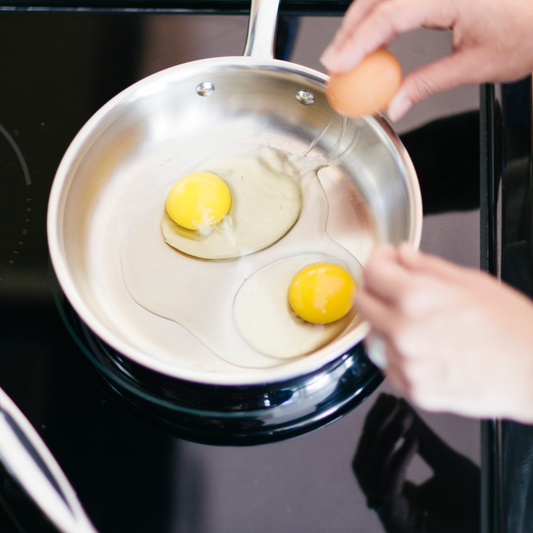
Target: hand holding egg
{"points": [[491, 43]]}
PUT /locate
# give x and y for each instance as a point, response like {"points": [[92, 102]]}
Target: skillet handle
{"points": [[27, 458], [262, 29]]}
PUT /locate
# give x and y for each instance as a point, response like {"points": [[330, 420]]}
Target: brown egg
{"points": [[368, 88]]}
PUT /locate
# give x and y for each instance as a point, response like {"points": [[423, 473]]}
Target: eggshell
{"points": [[368, 88]]}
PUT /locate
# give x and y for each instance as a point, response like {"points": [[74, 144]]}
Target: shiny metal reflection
{"points": [[305, 97], [118, 159], [205, 89]]}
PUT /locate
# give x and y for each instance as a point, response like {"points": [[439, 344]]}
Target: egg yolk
{"points": [[322, 293], [198, 201], [368, 88]]}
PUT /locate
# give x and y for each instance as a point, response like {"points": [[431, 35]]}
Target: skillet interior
{"points": [[161, 126]]}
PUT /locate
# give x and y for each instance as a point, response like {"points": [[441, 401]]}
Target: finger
{"points": [[387, 281], [384, 276], [384, 251], [383, 24], [466, 67], [382, 316], [420, 262], [354, 15]]}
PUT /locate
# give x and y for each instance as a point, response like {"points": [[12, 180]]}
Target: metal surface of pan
{"points": [[178, 116]]}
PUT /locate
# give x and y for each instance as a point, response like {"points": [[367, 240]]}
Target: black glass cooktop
{"points": [[134, 470], [287, 7]]}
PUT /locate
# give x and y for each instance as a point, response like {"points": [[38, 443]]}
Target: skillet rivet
{"points": [[206, 88], [305, 97]]}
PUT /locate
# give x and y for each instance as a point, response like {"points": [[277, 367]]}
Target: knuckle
{"points": [[385, 11], [402, 340], [421, 297], [384, 15], [424, 86], [414, 298], [409, 300]]}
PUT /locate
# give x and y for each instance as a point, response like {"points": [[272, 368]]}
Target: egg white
{"points": [[265, 204], [267, 322], [199, 294]]}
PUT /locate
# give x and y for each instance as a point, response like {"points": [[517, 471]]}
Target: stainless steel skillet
{"points": [[170, 121]]}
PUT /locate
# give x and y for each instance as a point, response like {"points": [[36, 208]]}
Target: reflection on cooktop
{"points": [[393, 434], [227, 415]]}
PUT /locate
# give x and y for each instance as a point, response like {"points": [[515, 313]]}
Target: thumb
{"points": [[460, 68]]}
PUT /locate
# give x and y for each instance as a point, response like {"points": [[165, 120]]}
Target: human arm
{"points": [[455, 338]]}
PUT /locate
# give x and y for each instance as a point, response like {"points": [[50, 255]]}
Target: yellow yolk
{"points": [[322, 293], [198, 201]]}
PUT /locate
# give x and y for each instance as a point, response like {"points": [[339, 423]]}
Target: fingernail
{"points": [[398, 108]]}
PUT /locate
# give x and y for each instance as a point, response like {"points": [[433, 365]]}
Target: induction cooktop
{"points": [[138, 459]]}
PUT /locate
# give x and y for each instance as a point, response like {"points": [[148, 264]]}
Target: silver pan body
{"points": [[110, 172]]}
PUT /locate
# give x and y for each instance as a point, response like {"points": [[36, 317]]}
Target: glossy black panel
{"points": [[129, 443], [236, 7], [510, 255], [507, 252]]}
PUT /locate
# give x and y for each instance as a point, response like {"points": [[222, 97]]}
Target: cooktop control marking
{"points": [[18, 241]]}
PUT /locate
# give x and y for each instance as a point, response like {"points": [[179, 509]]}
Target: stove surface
{"points": [[130, 472]]}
